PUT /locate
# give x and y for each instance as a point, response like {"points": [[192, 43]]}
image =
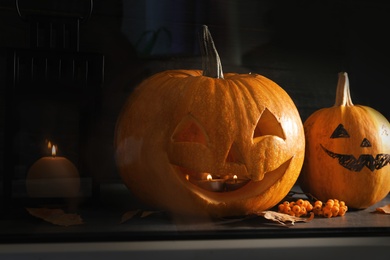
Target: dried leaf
{"points": [[384, 209], [148, 213], [284, 219], [129, 215], [56, 216]]}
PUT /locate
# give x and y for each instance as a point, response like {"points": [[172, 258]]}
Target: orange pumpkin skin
{"points": [[347, 152], [179, 125]]}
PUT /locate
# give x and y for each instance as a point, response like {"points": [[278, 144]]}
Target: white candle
{"points": [[217, 185], [235, 183], [53, 176]]}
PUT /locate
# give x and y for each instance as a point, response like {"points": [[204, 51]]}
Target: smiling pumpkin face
{"points": [[347, 152], [350, 162], [179, 126]]}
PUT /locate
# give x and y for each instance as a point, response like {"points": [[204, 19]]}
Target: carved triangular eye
{"points": [[340, 132], [189, 130], [365, 143], [268, 125]]}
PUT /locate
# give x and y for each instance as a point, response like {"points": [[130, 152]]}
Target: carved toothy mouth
{"points": [[349, 161], [227, 184]]}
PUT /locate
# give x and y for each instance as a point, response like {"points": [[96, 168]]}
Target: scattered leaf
{"points": [[56, 216], [148, 213], [129, 215], [284, 219], [384, 209]]}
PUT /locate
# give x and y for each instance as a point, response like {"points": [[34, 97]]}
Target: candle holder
{"points": [[210, 184], [53, 177], [235, 183]]}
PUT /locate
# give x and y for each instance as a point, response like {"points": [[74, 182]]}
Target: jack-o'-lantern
{"points": [[209, 144], [347, 152]]}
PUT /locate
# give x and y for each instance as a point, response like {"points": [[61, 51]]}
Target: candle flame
{"points": [[209, 177], [53, 151]]}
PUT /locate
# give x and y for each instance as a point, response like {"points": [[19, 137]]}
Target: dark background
{"points": [[302, 45]]}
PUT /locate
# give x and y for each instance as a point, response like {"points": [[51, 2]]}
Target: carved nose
{"points": [[365, 143]]}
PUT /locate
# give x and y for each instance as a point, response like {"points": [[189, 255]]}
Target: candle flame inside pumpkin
{"points": [[53, 151]]}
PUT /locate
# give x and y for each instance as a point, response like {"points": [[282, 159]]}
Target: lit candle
{"points": [[53, 176], [211, 184], [235, 183]]}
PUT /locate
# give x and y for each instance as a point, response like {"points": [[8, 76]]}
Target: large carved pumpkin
{"points": [[179, 126], [347, 152]]}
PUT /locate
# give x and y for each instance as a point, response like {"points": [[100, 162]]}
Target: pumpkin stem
{"points": [[343, 96], [211, 63]]}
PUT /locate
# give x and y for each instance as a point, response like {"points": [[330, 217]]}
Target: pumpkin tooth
{"points": [[274, 175]]}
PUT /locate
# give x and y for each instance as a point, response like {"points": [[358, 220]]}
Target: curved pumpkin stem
{"points": [[211, 63], [343, 96]]}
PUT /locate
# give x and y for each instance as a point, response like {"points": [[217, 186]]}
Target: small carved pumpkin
{"points": [[347, 152], [179, 126]]}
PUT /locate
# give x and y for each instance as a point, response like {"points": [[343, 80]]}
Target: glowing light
{"points": [[53, 151]]}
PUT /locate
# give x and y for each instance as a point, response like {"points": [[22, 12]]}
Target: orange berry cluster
{"points": [[295, 208], [332, 208], [301, 207]]}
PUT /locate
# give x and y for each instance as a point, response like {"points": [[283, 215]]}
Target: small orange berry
{"points": [[317, 211], [342, 211], [327, 212], [303, 211], [335, 211], [318, 203], [300, 202], [287, 209], [330, 203], [317, 207], [296, 209], [309, 207]]}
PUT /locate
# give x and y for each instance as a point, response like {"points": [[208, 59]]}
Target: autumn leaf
{"points": [[148, 213], [384, 209], [56, 216], [131, 213], [284, 219]]}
